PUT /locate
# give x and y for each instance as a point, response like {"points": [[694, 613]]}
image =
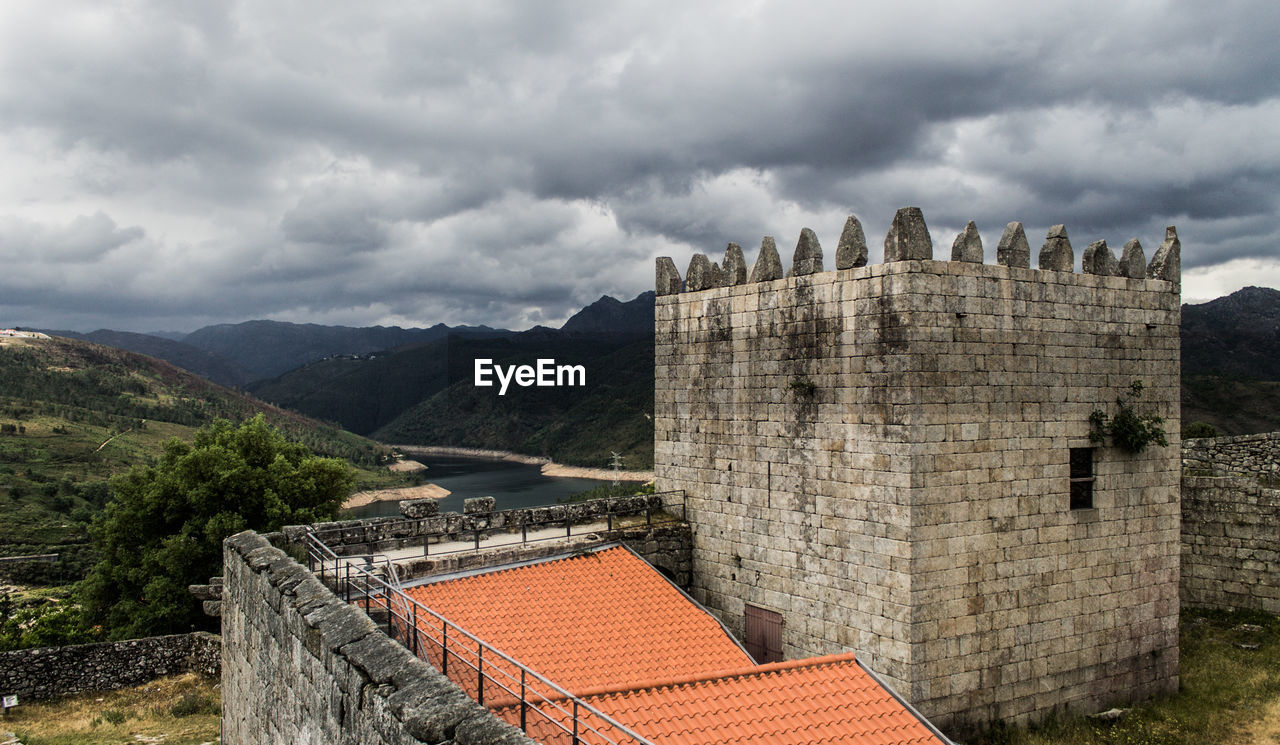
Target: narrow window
{"points": [[764, 634], [1081, 478]]}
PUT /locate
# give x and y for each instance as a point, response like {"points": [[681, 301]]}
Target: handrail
{"points": [[475, 544], [527, 691]]}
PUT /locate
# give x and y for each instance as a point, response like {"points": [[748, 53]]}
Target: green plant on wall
{"points": [[1128, 430]]}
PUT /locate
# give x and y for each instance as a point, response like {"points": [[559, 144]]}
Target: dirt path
{"points": [[1265, 730], [112, 437]]}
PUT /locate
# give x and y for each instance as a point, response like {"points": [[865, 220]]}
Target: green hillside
{"points": [[425, 395], [577, 426], [73, 413], [361, 394], [1231, 362], [1234, 406]]}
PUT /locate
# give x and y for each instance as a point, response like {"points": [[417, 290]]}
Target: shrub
{"points": [[195, 703], [1128, 430], [1199, 429]]}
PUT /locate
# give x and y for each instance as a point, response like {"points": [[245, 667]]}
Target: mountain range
{"points": [[1237, 335], [413, 386], [241, 353], [423, 394]]}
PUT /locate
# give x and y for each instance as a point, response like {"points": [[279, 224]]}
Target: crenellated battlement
{"points": [[908, 239], [898, 459]]}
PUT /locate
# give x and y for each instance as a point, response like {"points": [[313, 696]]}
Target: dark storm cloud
{"points": [[172, 165], [85, 240]]}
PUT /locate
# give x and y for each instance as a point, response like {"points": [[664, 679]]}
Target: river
{"points": [[512, 484]]}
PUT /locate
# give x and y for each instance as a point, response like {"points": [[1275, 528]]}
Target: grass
{"points": [[1229, 693], [179, 710]]}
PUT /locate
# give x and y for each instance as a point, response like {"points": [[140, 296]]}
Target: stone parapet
{"points": [[300, 666], [381, 534], [908, 239]]}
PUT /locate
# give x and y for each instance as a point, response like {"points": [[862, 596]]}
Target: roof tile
{"points": [[610, 629], [599, 619], [821, 700]]}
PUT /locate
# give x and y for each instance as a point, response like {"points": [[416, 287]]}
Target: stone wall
{"points": [[380, 534], [1231, 522], [1257, 456], [667, 547], [50, 672], [880, 454], [300, 666], [1230, 543]]}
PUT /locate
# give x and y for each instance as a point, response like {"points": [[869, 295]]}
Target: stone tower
{"points": [[895, 459]]}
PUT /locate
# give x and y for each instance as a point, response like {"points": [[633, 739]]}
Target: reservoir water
{"points": [[513, 485]]}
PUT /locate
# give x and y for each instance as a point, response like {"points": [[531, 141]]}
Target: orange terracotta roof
{"points": [[596, 620], [829, 700]]}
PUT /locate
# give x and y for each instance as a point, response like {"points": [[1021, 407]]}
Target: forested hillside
{"points": [[269, 348], [74, 413], [424, 394], [1231, 362], [573, 425]]}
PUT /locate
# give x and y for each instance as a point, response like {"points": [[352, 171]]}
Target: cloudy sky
{"points": [[172, 164]]}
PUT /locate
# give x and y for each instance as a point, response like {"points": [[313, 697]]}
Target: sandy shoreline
{"points": [[602, 474], [548, 467], [426, 491], [404, 465]]}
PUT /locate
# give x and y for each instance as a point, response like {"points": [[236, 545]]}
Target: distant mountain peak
{"points": [[612, 316], [1237, 335]]}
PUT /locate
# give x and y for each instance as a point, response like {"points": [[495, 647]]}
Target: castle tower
{"points": [[895, 459]]}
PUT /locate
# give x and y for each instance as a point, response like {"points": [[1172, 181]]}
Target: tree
{"points": [[164, 526], [43, 623]]}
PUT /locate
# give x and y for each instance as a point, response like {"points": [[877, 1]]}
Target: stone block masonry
{"points": [[1230, 543], [51, 672], [300, 666], [1254, 456], [1231, 522], [881, 454]]}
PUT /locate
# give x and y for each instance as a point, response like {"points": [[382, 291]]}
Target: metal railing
{"points": [[610, 519], [514, 692], [653, 515]]}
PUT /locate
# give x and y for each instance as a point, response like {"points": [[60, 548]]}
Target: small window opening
{"points": [[1081, 478], [764, 634]]}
